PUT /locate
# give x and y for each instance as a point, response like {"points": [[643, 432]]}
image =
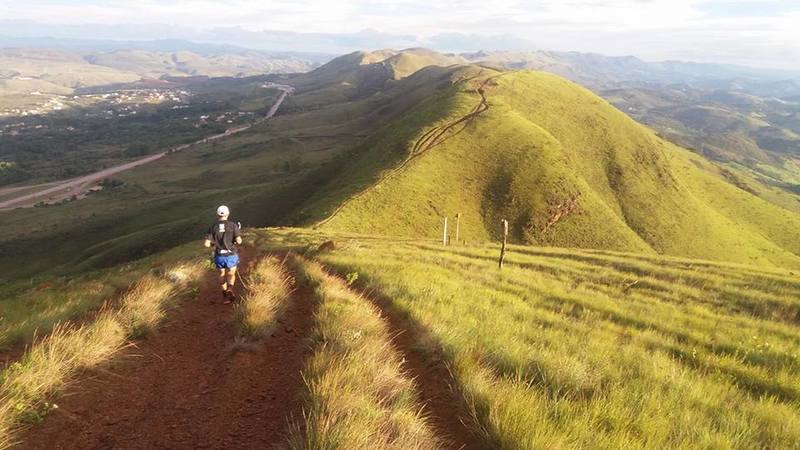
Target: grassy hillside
{"points": [[569, 348], [655, 302], [563, 166], [361, 74], [727, 113]]}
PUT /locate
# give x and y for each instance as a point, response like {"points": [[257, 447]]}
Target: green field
{"points": [[567, 348]]}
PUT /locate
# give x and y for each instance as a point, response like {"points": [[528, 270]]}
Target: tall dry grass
{"points": [[358, 396], [268, 289], [48, 365]]}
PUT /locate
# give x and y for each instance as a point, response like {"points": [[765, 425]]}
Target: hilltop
{"points": [[363, 73]]}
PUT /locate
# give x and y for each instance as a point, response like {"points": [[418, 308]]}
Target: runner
{"points": [[224, 236]]}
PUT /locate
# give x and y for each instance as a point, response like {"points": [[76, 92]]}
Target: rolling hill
{"points": [[355, 148], [563, 165], [741, 116], [29, 76]]}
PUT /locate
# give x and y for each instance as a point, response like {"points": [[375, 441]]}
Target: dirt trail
{"points": [[184, 387]]}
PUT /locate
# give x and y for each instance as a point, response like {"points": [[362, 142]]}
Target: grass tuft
{"points": [[268, 290], [358, 395]]}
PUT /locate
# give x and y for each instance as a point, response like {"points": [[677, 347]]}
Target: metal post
{"points": [[505, 240], [458, 226]]}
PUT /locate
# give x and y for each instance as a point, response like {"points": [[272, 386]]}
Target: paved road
{"points": [[78, 186]]}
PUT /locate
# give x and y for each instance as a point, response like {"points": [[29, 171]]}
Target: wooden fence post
{"points": [[458, 226], [444, 234], [505, 240]]}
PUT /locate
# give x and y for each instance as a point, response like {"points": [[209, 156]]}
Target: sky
{"points": [[759, 33]]}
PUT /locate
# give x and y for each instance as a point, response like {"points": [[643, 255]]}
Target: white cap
{"points": [[223, 211]]}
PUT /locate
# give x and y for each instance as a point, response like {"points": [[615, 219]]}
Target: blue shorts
{"points": [[226, 261]]}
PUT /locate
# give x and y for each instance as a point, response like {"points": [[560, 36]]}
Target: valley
{"points": [[76, 189]]}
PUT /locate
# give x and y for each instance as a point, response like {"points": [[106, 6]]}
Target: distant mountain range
{"points": [[87, 46], [33, 70], [268, 40], [595, 70]]}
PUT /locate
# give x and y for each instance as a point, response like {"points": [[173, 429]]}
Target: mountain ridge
{"points": [[630, 195]]}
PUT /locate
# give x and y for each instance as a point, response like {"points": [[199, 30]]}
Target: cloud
{"points": [[758, 32]]}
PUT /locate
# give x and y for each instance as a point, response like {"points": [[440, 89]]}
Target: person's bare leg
{"points": [[223, 279], [231, 280]]}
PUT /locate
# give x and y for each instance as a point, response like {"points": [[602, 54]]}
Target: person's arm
{"points": [[237, 234]]}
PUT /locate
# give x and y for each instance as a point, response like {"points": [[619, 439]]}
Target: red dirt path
{"points": [[447, 411], [184, 387]]}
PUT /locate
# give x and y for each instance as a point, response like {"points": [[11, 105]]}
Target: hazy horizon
{"points": [[757, 34]]}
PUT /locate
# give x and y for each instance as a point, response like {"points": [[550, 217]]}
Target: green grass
{"points": [[357, 394], [568, 348]]}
